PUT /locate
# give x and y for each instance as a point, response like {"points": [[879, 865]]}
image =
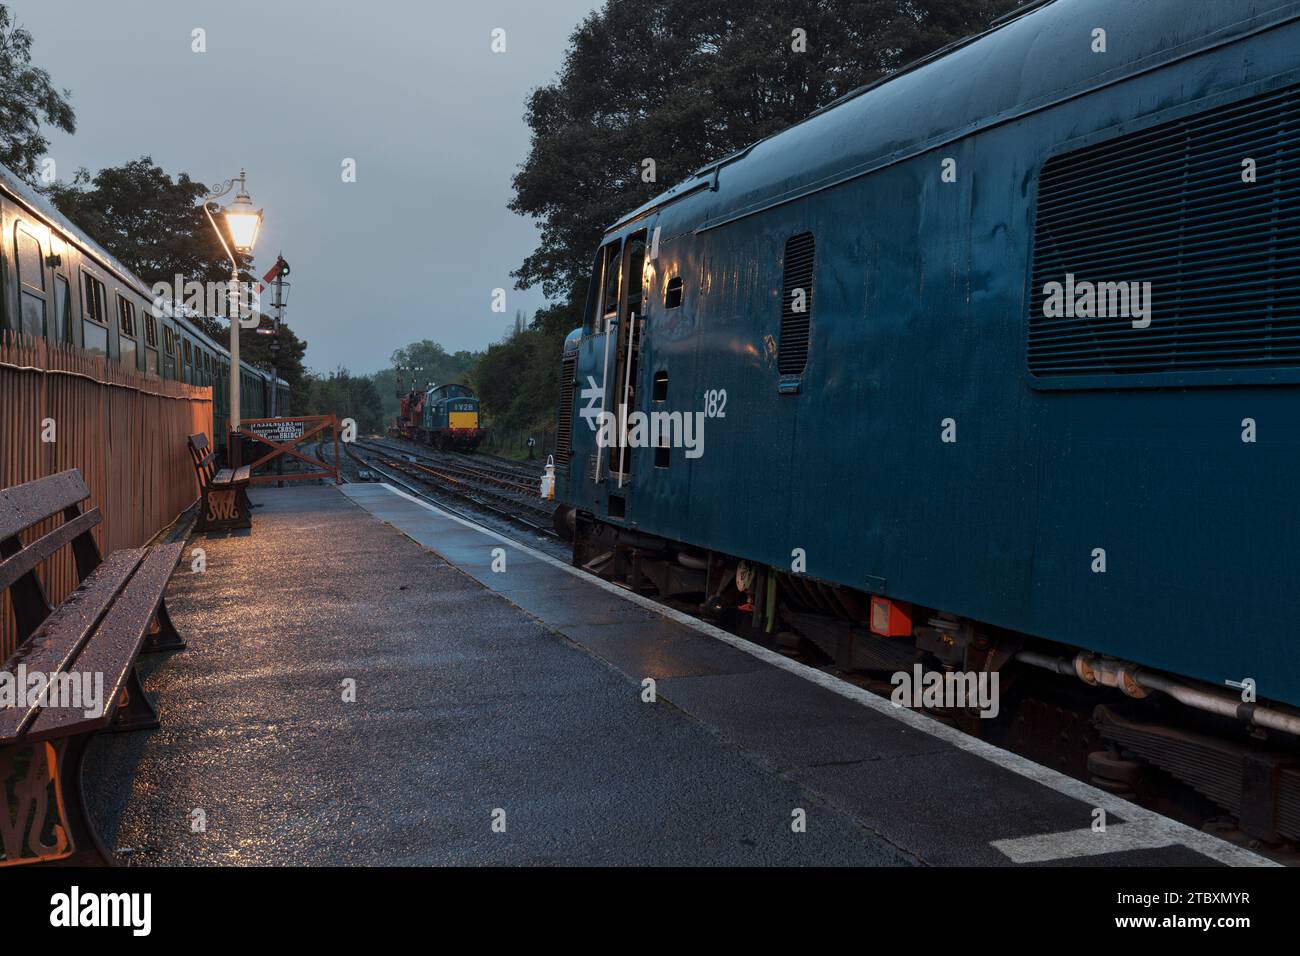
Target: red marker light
{"points": [[890, 618]]}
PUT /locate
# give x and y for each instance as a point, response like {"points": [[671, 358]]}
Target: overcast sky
{"points": [[288, 89]]}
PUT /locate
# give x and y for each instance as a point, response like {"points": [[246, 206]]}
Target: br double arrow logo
{"points": [[592, 395]]}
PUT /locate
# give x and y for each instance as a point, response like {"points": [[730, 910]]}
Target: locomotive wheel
{"points": [[1116, 774], [565, 520]]}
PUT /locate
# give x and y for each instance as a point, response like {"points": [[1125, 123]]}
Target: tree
{"points": [[684, 82], [345, 395], [517, 381], [153, 223], [28, 98]]}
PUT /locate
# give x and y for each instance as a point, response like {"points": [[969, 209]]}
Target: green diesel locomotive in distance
{"points": [[444, 416]]}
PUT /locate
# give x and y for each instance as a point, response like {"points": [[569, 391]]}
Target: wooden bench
{"points": [[223, 503], [91, 640]]}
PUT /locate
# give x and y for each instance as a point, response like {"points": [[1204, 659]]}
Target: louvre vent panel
{"points": [[564, 421], [1168, 206], [792, 353]]}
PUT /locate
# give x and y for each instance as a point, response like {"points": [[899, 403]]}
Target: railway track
{"points": [[321, 453], [480, 465], [471, 470], [504, 496]]}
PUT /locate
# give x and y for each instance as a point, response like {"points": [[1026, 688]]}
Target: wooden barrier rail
{"points": [[62, 407], [282, 436]]}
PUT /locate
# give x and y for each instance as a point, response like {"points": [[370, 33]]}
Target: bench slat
{"points": [[13, 568], [203, 458], [224, 477], [32, 502], [241, 474], [61, 635], [113, 648]]}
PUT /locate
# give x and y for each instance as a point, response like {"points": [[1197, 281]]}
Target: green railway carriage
{"points": [[58, 284]]}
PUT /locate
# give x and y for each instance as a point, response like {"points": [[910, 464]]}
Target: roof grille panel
{"points": [[1168, 206]]}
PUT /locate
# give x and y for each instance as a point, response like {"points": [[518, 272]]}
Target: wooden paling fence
{"points": [[62, 407]]}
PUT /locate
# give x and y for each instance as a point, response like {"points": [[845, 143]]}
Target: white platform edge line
{"points": [[1162, 829]]}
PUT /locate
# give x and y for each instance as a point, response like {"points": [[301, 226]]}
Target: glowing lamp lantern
{"points": [[243, 221]]}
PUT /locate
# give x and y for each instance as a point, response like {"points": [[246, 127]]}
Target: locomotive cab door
{"points": [[627, 331]]}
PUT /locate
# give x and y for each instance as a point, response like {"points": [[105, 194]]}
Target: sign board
{"points": [[278, 429], [283, 435]]}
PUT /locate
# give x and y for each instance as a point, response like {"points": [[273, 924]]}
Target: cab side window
{"points": [[634, 274], [673, 293], [609, 281]]}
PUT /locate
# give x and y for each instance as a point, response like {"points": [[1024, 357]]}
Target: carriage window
{"points": [[169, 340], [150, 331], [673, 293], [33, 316], [62, 310], [94, 328], [31, 280], [96, 308], [125, 317], [31, 270], [126, 326]]}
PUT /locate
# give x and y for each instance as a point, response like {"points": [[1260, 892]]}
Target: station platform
{"points": [[499, 718]]}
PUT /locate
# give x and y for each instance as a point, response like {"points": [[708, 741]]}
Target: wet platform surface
{"points": [[488, 696]]}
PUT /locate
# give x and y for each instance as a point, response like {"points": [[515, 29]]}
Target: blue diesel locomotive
{"points": [[991, 365], [450, 419], [444, 416]]}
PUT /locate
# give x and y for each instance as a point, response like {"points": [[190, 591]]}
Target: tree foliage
{"points": [[346, 395], [28, 99], [516, 380]]}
